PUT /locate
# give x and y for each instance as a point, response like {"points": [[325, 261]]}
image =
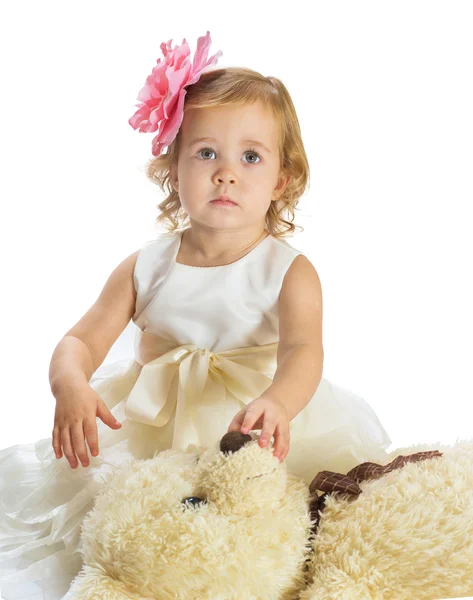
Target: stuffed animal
{"points": [[229, 522]]}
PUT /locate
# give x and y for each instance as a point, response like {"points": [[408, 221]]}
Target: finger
{"points": [[237, 421], [104, 413], [78, 442], [91, 435], [56, 442], [287, 445], [268, 429], [251, 416], [281, 442], [67, 446]]}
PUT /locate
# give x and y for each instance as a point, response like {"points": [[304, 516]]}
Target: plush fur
{"points": [[408, 534], [245, 531]]}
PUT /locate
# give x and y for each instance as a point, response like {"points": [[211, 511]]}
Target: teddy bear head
{"points": [[189, 524]]}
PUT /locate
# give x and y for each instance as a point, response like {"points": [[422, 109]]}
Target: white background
{"points": [[384, 96]]}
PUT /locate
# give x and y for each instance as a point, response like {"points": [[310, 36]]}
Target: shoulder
{"points": [[127, 265], [300, 276], [133, 257], [302, 279], [121, 277], [155, 250]]}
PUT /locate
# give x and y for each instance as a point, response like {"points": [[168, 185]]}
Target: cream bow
{"points": [[230, 378]]}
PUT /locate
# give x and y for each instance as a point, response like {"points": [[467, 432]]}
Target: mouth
{"points": [[262, 475], [223, 200]]}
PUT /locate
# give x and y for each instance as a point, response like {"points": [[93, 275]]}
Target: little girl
{"points": [[228, 316]]}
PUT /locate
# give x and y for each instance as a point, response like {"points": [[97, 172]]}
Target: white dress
{"points": [[206, 344]]}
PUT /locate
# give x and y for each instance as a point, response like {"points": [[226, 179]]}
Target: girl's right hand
{"points": [[75, 421]]}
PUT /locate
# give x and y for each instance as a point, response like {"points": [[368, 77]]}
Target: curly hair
{"points": [[240, 86]]}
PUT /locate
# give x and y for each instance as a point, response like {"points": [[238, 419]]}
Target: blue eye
{"points": [[250, 151], [203, 150]]}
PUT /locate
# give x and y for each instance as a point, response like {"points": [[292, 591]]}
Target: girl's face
{"points": [[239, 158]]}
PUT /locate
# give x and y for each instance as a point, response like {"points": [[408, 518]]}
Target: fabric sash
{"points": [[195, 384]]}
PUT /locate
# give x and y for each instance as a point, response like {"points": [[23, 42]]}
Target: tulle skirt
{"points": [[43, 501]]}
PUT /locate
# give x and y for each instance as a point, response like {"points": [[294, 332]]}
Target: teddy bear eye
{"points": [[194, 501]]}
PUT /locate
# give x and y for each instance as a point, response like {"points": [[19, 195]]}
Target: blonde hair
{"points": [[239, 86]]}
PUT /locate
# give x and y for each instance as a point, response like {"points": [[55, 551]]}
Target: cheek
{"points": [[261, 184], [192, 179]]}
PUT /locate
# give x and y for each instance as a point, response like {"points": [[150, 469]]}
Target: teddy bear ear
{"points": [[233, 441]]}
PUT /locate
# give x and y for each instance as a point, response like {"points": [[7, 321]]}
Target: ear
{"points": [[283, 182]]}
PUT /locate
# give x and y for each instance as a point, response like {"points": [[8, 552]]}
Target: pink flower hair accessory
{"points": [[161, 106]]}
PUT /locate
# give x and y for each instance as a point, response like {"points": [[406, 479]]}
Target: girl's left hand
{"points": [[271, 416]]}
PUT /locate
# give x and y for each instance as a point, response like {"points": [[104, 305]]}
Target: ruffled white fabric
{"points": [[43, 500]]}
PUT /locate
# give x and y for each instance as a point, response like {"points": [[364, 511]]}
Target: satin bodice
{"points": [[218, 308]]}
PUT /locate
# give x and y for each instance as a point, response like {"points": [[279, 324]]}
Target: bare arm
{"points": [[84, 347], [300, 350], [78, 355], [297, 377], [72, 365]]}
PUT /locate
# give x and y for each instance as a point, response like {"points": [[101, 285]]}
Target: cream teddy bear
{"points": [[230, 522]]}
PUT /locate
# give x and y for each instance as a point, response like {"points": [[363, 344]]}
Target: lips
{"points": [[223, 198]]}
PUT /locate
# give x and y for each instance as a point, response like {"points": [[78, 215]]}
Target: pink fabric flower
{"points": [[161, 104]]}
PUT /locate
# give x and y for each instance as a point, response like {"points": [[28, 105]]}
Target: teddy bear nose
{"points": [[233, 441]]}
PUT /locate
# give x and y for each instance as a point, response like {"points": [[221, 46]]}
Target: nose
{"points": [[233, 441], [224, 175]]}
